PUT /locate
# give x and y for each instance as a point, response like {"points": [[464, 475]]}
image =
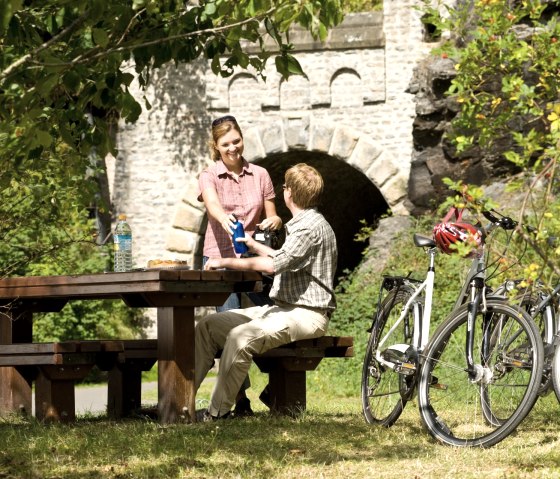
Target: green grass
{"points": [[331, 440]]}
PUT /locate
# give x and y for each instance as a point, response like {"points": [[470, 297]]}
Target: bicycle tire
{"points": [[450, 403], [384, 391], [545, 321], [556, 372], [528, 301]]}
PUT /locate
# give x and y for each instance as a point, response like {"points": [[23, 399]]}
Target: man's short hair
{"points": [[306, 185]]}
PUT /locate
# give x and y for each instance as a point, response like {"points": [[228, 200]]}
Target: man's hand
{"points": [[248, 240], [272, 222]]}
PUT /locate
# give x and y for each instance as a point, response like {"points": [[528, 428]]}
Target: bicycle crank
{"points": [[402, 358]]}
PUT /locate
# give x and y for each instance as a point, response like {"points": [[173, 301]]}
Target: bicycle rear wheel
{"points": [[460, 411], [556, 372], [385, 391], [545, 321]]}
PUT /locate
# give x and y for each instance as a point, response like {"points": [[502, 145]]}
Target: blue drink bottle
{"points": [[239, 232]]}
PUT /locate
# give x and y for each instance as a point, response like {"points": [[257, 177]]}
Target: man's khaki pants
{"points": [[240, 333]]}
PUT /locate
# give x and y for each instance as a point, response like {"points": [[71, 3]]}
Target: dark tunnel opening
{"points": [[349, 197]]}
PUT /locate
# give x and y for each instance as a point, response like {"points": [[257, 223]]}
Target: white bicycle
{"points": [[477, 377]]}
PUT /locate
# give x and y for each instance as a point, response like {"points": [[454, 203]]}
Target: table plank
{"points": [[113, 284]]}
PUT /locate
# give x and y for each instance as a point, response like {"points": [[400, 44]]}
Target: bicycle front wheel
{"points": [[460, 410], [385, 391]]}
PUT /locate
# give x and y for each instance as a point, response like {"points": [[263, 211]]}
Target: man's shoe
{"points": [[243, 408], [203, 415]]}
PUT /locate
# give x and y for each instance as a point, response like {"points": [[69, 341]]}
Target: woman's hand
{"points": [[272, 222], [227, 223]]}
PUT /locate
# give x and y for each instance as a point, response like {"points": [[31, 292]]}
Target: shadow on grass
{"points": [[330, 441]]}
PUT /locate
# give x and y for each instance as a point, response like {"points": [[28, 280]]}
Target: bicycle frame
{"points": [[421, 324], [477, 283], [552, 336]]}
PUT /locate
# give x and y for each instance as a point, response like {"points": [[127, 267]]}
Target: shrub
{"points": [[83, 319], [357, 297]]}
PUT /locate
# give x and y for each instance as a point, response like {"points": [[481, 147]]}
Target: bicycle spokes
{"points": [[483, 407]]}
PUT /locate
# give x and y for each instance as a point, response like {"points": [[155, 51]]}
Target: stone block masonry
{"points": [[352, 111]]}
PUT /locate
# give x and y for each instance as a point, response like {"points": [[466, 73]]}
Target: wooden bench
{"points": [[55, 367], [124, 385], [286, 367]]}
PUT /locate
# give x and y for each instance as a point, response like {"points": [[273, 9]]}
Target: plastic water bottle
{"points": [[239, 232], [123, 245]]}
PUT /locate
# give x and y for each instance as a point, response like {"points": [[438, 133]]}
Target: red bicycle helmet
{"points": [[448, 233]]}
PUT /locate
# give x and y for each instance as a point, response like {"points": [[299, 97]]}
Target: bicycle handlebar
{"points": [[505, 222]]}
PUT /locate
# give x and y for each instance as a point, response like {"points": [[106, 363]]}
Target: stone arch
{"points": [[340, 142], [361, 183], [243, 89], [295, 93], [347, 89]]}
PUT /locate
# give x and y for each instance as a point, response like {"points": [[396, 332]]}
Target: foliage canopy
{"points": [[66, 67], [66, 64], [507, 85]]}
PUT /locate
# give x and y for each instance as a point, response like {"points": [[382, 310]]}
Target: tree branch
{"points": [[76, 23], [179, 37], [530, 240], [129, 26], [81, 59]]}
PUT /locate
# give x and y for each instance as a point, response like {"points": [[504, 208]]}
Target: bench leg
{"points": [[54, 400], [176, 394], [54, 392], [15, 388], [287, 391], [124, 391], [15, 391]]}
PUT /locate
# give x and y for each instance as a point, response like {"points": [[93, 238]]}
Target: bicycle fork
{"points": [[478, 373]]}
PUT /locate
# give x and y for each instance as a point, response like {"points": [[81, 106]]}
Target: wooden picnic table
{"points": [[174, 292]]}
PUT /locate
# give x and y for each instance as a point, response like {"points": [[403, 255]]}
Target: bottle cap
{"points": [[122, 217]]}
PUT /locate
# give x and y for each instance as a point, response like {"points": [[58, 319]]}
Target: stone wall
{"points": [[352, 118]]}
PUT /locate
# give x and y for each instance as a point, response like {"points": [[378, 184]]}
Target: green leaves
{"points": [[42, 138], [7, 10], [69, 56], [100, 37], [505, 72], [288, 65], [507, 86]]}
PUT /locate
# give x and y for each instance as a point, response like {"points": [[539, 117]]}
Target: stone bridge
{"points": [[351, 118]]}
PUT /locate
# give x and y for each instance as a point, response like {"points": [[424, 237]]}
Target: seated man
{"points": [[302, 292]]}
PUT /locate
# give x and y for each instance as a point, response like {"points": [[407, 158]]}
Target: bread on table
{"points": [[167, 263]]}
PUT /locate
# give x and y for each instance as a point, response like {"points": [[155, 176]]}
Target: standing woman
{"points": [[233, 186]]}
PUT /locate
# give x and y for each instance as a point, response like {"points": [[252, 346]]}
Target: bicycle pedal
{"points": [[408, 367], [519, 363], [441, 387], [399, 353], [435, 384]]}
